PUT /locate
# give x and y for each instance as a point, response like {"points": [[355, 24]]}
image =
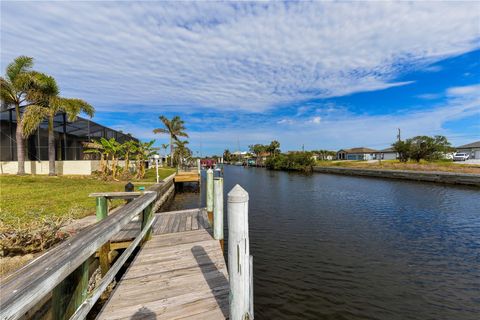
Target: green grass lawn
{"points": [[24, 199]]}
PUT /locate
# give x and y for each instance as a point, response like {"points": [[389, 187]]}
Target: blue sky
{"points": [[324, 75]]}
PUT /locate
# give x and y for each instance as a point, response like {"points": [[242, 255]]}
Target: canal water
{"points": [[342, 247]]}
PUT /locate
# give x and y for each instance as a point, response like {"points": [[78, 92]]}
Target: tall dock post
{"points": [[239, 259], [218, 210], [102, 213], [199, 167], [210, 195]]}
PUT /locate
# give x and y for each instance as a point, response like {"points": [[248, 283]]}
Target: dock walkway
{"points": [[179, 274]]}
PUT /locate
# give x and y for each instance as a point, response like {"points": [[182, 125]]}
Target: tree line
{"points": [[422, 147]]}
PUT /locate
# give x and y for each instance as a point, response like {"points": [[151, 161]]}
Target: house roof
{"points": [[388, 150], [475, 144], [359, 150]]}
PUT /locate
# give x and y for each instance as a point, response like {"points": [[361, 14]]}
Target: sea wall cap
{"points": [[238, 194]]}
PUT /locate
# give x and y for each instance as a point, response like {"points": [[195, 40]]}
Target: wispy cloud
{"points": [[231, 56], [334, 130]]}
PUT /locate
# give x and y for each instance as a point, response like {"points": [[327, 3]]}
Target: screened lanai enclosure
{"points": [[69, 138]]}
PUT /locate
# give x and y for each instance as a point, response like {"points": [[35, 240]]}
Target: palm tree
{"points": [[17, 90], [50, 104], [96, 147], [164, 147], [175, 128], [129, 148], [145, 151], [274, 147], [181, 151], [227, 155]]}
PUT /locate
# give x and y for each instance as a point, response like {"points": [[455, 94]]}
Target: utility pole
{"points": [[398, 135]]}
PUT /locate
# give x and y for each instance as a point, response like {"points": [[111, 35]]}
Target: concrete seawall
{"points": [[165, 192], [430, 176]]}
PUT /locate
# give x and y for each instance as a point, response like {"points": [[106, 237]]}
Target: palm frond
{"points": [[18, 66], [73, 107], [32, 117], [160, 130], [7, 94]]}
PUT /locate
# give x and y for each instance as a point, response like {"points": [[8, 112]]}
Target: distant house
{"points": [[387, 154], [241, 154], [473, 149], [361, 153]]}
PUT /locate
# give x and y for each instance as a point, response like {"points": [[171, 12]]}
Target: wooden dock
{"points": [[179, 273], [174, 265], [187, 176]]}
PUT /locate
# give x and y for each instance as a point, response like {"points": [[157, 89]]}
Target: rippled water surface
{"points": [[340, 247]]}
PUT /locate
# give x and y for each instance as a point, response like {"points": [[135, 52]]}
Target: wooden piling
{"points": [[239, 255], [103, 252], [146, 217], [70, 293], [210, 195], [218, 210]]}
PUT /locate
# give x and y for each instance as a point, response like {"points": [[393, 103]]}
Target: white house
{"points": [[473, 149], [387, 154], [361, 153]]}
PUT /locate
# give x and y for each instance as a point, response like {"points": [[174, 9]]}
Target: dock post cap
{"points": [[237, 194]]}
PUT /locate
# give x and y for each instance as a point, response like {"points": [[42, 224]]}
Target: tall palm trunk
{"points": [[171, 151], [20, 144], [51, 148]]}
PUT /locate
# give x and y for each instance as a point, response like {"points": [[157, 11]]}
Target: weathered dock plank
{"points": [[179, 274], [191, 176]]}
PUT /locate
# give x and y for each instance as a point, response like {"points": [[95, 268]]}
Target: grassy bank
{"points": [[26, 199], [445, 166]]}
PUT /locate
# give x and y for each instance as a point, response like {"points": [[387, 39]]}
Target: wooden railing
{"points": [[64, 269]]}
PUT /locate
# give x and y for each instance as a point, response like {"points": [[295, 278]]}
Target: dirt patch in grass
{"points": [[443, 166]]}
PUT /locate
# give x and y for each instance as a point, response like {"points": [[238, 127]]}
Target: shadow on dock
{"points": [[144, 314], [214, 278]]}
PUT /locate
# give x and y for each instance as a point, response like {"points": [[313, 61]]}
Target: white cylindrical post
{"points": [[238, 254], [199, 168], [156, 167], [250, 296], [218, 210], [210, 195]]}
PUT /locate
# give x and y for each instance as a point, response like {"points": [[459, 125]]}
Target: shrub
{"points": [[298, 161]]}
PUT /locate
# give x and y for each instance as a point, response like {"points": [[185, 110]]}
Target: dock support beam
{"points": [[146, 217], [239, 260], [70, 293], [210, 195], [102, 213], [218, 211]]}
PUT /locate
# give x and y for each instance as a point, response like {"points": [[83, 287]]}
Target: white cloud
{"points": [[232, 55], [285, 121], [315, 120], [464, 91]]}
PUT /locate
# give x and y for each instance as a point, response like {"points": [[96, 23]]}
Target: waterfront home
{"points": [[472, 149], [360, 153], [70, 137], [387, 154], [241, 154], [261, 158]]}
